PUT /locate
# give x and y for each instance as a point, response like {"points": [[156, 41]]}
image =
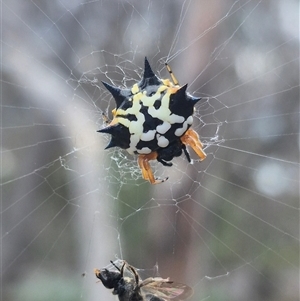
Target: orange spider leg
{"points": [[191, 138], [143, 161]]}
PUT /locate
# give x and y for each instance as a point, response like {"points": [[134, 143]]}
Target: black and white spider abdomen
{"points": [[151, 115], [152, 119]]}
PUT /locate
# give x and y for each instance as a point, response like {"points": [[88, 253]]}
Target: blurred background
{"points": [[228, 226]]}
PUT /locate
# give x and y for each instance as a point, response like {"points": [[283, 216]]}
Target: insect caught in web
{"points": [[134, 289], [153, 119]]}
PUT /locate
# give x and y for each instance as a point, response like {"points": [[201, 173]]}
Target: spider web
{"points": [[227, 226]]}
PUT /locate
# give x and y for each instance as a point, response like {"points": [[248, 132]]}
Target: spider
{"points": [[134, 289], [152, 119]]}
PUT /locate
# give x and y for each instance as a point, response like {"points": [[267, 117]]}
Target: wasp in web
{"points": [[134, 289], [153, 119]]}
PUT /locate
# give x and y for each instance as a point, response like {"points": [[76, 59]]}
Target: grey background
{"points": [[228, 227]]}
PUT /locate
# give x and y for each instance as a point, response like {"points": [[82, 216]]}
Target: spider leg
{"points": [[163, 162], [105, 118], [143, 161], [174, 79], [191, 138], [186, 152]]}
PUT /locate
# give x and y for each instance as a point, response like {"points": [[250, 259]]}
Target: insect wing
{"points": [[167, 290]]}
